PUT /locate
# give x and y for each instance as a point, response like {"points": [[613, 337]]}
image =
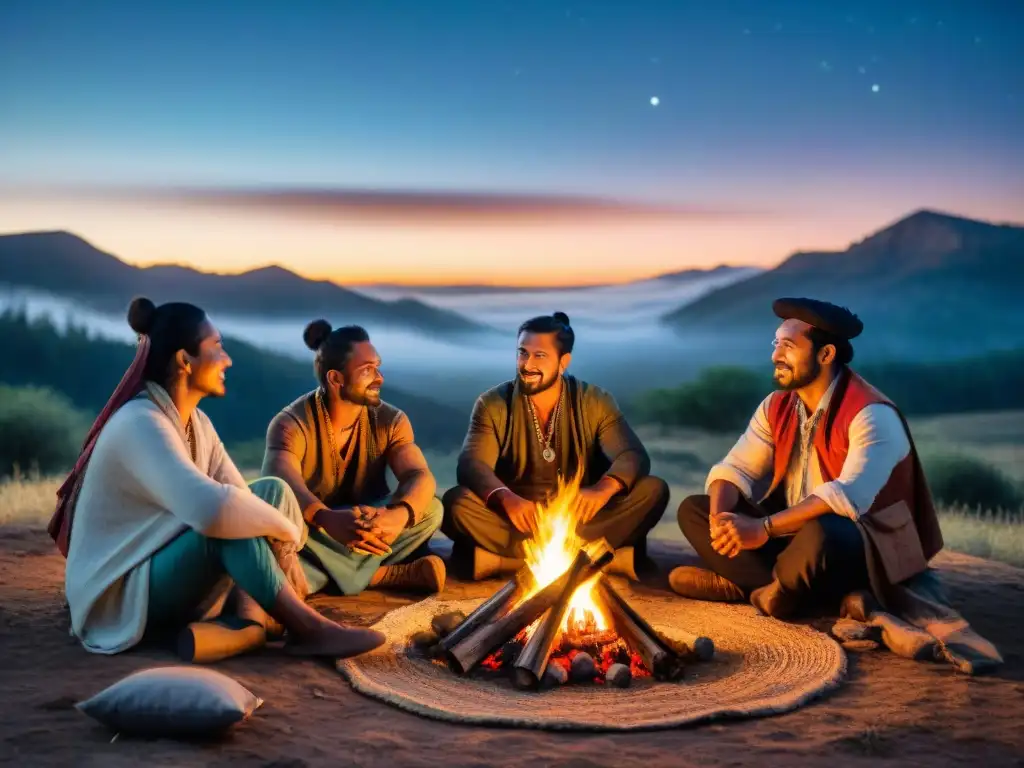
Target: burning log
{"points": [[697, 647], [588, 637], [662, 661], [700, 647], [475, 646], [529, 667], [496, 605]]}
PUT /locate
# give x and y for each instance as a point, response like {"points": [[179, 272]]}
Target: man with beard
{"points": [[823, 494], [528, 435], [333, 446]]}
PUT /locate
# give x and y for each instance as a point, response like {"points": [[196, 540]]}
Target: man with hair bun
{"points": [[333, 446], [529, 435]]}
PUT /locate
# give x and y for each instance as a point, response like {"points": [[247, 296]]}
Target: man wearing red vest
{"points": [[822, 495]]}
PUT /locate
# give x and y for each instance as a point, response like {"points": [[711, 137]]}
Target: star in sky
{"points": [[546, 130]]}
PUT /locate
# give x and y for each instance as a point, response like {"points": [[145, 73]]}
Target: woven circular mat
{"points": [[761, 667]]}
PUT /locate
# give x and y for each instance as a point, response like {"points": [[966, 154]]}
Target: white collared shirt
{"points": [[877, 443]]}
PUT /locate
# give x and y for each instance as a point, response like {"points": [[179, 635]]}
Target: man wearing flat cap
{"points": [[822, 495]]}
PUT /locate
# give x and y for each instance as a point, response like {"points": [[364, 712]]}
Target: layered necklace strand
{"points": [[548, 453], [335, 452]]}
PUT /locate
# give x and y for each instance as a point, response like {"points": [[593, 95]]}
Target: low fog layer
{"points": [[620, 343], [610, 309]]}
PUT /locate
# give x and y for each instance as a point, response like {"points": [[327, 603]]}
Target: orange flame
{"points": [[551, 551]]}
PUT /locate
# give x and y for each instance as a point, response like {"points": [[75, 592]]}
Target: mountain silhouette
{"points": [[930, 284], [682, 276], [686, 275], [64, 264], [260, 383]]}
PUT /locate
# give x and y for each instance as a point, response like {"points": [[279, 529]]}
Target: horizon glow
{"points": [[816, 125]]}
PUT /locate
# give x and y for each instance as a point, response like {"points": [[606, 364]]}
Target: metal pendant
{"points": [[548, 454]]}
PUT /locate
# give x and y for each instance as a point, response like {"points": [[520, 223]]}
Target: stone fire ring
{"points": [[761, 667]]}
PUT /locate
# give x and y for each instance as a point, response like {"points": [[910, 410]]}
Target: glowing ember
{"points": [[550, 553], [588, 646]]}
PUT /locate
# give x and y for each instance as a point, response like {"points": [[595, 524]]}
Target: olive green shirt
{"points": [[595, 440]]}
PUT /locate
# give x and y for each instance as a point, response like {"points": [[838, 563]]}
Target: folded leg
{"points": [[182, 574], [821, 564], [326, 561], [469, 523], [628, 518], [750, 569]]}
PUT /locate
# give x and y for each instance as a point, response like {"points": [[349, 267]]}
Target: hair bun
{"points": [[316, 333], [141, 313], [562, 318]]}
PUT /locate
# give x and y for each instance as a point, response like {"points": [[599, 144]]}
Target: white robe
{"points": [[141, 490]]}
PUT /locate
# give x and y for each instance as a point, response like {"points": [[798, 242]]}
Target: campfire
{"points": [[559, 619]]}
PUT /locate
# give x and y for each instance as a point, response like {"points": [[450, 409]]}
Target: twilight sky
{"points": [[486, 141]]}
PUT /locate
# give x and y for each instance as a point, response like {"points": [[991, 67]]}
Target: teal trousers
{"points": [[186, 570], [324, 560]]}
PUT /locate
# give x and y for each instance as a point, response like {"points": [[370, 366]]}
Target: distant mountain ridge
{"points": [[694, 274], [930, 282], [65, 264], [259, 383], [454, 290]]}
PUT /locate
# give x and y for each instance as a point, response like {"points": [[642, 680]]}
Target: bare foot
{"points": [[335, 641]]}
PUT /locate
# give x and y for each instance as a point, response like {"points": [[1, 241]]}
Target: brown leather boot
{"points": [[427, 574], [486, 564], [703, 584]]}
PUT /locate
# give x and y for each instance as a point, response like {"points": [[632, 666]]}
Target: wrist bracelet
{"points": [[490, 495], [768, 526]]}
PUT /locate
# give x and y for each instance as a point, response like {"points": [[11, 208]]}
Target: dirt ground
{"points": [[889, 709]]}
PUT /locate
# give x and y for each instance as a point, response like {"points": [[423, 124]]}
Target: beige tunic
{"points": [[298, 451]]}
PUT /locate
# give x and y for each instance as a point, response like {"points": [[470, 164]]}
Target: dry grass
{"points": [[30, 501], [996, 438], [683, 459], [993, 536]]}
